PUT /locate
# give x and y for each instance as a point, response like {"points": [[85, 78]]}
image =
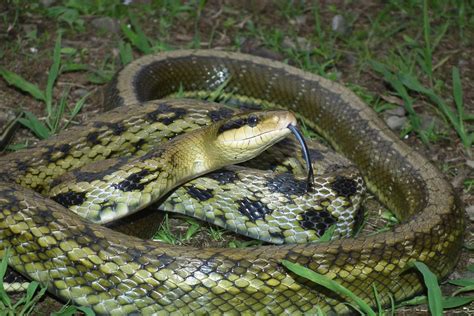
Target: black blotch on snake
{"points": [[117, 128], [318, 220], [222, 113], [132, 182], [253, 209], [223, 177], [287, 184], [70, 198], [177, 113], [233, 124], [83, 175], [65, 148], [344, 186], [163, 108], [199, 194], [92, 138], [315, 154]]}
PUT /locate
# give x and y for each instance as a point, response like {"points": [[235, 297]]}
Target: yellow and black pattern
{"points": [[272, 208], [110, 189], [91, 265]]}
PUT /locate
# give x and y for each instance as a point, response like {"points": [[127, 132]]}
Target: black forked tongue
{"points": [[304, 148]]}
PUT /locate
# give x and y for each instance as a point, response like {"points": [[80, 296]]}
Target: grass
{"points": [[403, 83], [54, 110], [436, 302], [165, 233], [216, 233], [406, 79]]}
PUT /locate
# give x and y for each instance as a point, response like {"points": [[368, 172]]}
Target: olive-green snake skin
{"points": [[116, 274]]}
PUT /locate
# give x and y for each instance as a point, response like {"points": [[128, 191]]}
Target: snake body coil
{"points": [[91, 265]]}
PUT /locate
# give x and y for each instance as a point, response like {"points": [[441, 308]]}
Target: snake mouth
{"points": [[264, 134]]}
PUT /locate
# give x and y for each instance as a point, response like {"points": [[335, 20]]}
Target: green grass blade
{"points": [[73, 67], [462, 282], [77, 108], [392, 305], [328, 234], [438, 38], [192, 230], [434, 292], [73, 310], [216, 94], [4, 298], [457, 94], [396, 81], [413, 84], [319, 311], [378, 300], [446, 302], [57, 112], [467, 285], [455, 119], [32, 297], [164, 233], [31, 122], [143, 41], [22, 84], [469, 288], [329, 284], [125, 53], [53, 75], [129, 33], [30, 291], [417, 300], [136, 35], [458, 301]]}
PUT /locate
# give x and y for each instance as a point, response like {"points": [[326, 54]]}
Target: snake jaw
{"points": [[246, 136]]}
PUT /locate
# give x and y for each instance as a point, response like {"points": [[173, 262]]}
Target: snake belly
{"points": [[116, 274]]}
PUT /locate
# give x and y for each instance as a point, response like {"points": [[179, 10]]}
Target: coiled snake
{"points": [[114, 274]]}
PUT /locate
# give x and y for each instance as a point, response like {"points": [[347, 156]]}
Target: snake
{"points": [[91, 265]]}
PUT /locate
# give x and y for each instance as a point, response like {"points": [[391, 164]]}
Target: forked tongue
{"points": [[304, 148]]}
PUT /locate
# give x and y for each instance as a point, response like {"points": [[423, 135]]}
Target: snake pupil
{"points": [[252, 120]]}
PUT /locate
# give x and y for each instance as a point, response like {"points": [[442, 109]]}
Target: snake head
{"points": [[245, 136]]}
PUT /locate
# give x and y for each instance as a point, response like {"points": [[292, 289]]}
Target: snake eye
{"points": [[252, 120]]}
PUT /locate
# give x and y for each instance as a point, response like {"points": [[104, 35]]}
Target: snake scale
{"points": [[116, 274]]}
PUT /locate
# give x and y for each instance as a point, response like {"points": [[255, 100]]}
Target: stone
{"points": [[106, 23], [395, 122]]}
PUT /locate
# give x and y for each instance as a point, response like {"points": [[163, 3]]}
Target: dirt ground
{"points": [[27, 38]]}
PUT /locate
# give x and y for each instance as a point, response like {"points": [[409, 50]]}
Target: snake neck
{"points": [[108, 190]]}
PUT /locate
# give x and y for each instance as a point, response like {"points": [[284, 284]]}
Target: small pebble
{"points": [[470, 163], [398, 111], [106, 23], [80, 92], [338, 24], [299, 20], [300, 43], [395, 122], [470, 212]]}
